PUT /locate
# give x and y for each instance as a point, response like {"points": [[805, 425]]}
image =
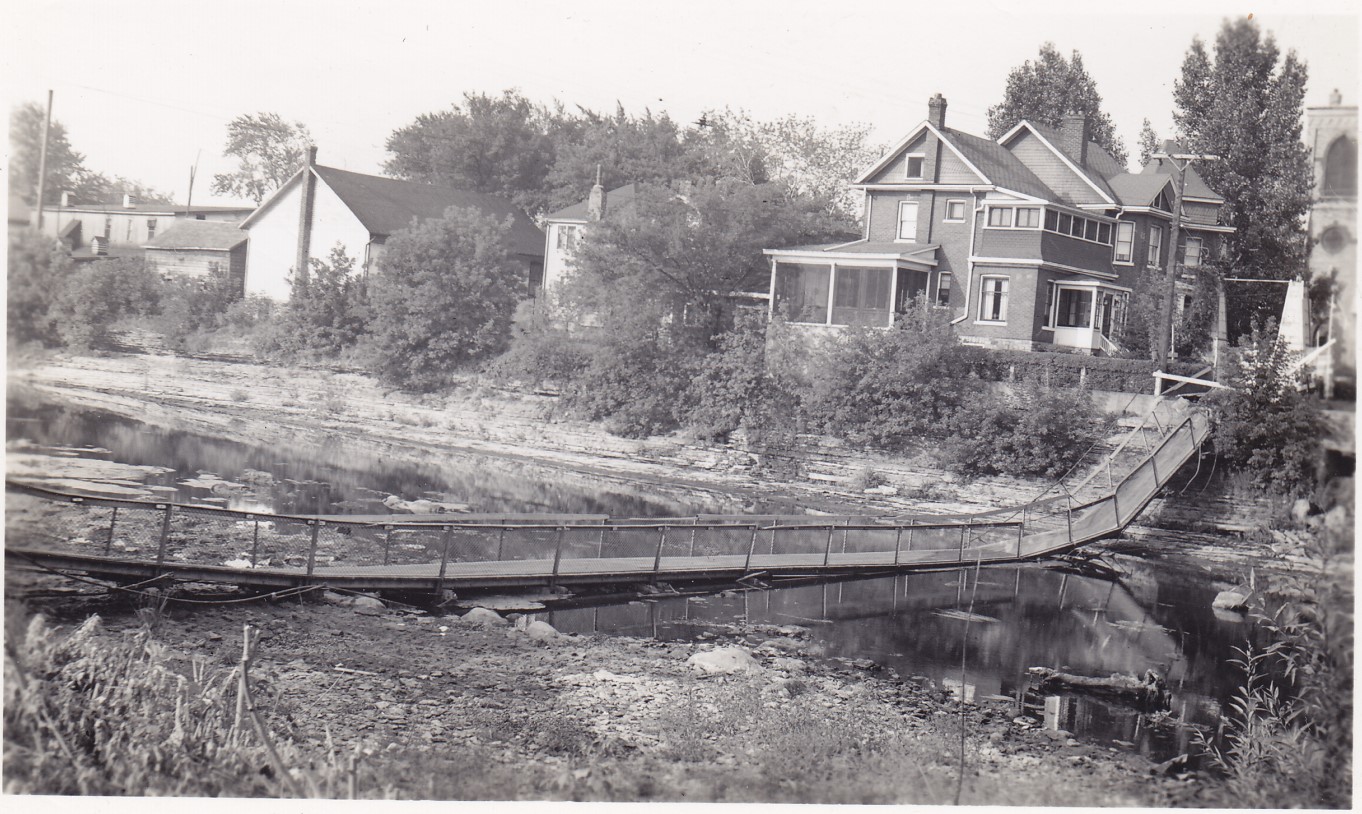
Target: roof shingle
{"points": [[998, 164], [199, 234]]}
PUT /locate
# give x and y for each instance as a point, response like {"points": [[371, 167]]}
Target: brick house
{"points": [[1035, 241], [321, 207]]}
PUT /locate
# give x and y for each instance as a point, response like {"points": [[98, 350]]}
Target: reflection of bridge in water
{"points": [[139, 540]]}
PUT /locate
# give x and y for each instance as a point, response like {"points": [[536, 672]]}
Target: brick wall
{"points": [[1023, 311]]}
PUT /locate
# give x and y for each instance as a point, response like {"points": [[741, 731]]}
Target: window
{"points": [[943, 288], [1028, 218], [1090, 230], [955, 211], [802, 292], [108, 227], [1066, 223], [1125, 242], [993, 304], [1155, 245], [1340, 168], [860, 297], [1094, 231], [908, 221], [151, 228], [1192, 257], [1104, 233], [1052, 220], [915, 164], [567, 237], [1076, 229], [1000, 217], [1075, 308], [1047, 319]]}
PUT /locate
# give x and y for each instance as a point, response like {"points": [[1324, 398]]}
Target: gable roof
{"points": [[1098, 158], [199, 234], [387, 205], [1138, 189], [998, 164], [618, 197], [1195, 186]]}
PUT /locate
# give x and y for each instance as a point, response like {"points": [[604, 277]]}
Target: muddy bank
{"points": [[443, 708]]}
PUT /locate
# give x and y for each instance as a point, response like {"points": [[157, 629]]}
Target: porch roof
{"points": [[919, 254]]}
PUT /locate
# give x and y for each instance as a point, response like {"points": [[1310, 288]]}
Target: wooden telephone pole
{"points": [[42, 159]]}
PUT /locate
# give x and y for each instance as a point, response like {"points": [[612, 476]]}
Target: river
{"points": [[1140, 616]]}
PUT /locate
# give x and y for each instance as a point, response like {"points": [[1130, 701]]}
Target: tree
{"points": [[1046, 90], [38, 268], [647, 149], [326, 313], [1266, 426], [64, 164], [268, 150], [1149, 142], [1245, 106], [496, 144], [444, 297]]}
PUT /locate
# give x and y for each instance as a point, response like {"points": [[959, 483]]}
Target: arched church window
{"points": [[1340, 167]]}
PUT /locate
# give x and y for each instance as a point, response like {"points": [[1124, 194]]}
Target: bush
{"points": [[38, 269], [191, 307], [93, 298], [540, 354], [731, 387], [1032, 430], [1266, 427], [639, 390]]}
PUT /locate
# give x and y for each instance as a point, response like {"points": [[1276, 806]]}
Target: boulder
{"points": [[540, 631], [1235, 599], [368, 602], [333, 598], [482, 617], [1302, 509], [789, 665], [724, 660]]}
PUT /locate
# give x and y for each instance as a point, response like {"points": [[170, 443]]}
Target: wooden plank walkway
{"points": [[1038, 529]]}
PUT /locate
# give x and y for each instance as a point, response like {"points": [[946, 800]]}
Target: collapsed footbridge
{"points": [[138, 541]]}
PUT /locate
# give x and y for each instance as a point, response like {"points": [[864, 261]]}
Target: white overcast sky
{"points": [[144, 87]]}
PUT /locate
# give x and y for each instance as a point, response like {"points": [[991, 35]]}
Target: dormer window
{"points": [[915, 164]]}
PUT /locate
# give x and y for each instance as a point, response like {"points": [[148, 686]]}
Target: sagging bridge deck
{"points": [[135, 540]]}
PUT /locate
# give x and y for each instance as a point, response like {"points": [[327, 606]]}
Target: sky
{"points": [[144, 90]]}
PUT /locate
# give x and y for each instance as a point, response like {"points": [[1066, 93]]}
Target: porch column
{"points": [[771, 303], [832, 290], [893, 292]]}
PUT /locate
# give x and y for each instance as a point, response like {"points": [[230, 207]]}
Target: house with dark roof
{"points": [[1034, 241], [322, 207], [199, 248], [564, 229]]}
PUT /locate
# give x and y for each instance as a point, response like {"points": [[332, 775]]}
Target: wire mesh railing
{"points": [[172, 535]]}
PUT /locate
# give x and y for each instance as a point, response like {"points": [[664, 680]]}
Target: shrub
{"points": [[1265, 426], [1032, 430], [191, 306], [731, 387], [1066, 369], [38, 268], [326, 314], [540, 354], [639, 390], [93, 298]]}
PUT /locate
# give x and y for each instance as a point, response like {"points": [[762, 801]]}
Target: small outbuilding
{"points": [[198, 248]]}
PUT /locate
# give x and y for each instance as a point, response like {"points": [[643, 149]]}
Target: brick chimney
{"points": [[66, 196], [936, 111], [1074, 137], [129, 201], [305, 212], [595, 204], [1335, 98]]}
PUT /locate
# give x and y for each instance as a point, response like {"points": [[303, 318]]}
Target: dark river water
{"points": [[1147, 616]]}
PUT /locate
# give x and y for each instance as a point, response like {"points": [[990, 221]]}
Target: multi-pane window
{"points": [[860, 296], [567, 237], [1047, 319], [1028, 217], [908, 221], [1082, 228], [1125, 242], [1000, 216], [955, 211], [151, 228], [1193, 255], [943, 288], [993, 303], [1155, 245], [915, 165], [1075, 308]]}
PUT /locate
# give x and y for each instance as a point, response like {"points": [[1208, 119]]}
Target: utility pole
{"points": [[194, 170], [1182, 161], [42, 159]]}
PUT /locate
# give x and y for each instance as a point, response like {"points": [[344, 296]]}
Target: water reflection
{"points": [[1024, 616], [340, 476]]}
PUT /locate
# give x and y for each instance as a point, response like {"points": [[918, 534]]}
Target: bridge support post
{"points": [[113, 521], [898, 538], [774, 523], [827, 552], [695, 524], [501, 540], [312, 547], [1153, 464], [1020, 528], [747, 566], [657, 560], [387, 543], [444, 560], [1110, 482], [557, 557], [165, 535], [964, 533], [255, 539], [1069, 516], [600, 543]]}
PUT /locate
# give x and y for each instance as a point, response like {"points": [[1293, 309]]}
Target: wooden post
{"points": [[827, 552], [501, 540], [1116, 509], [747, 566], [165, 534], [113, 521], [600, 541], [557, 556], [1069, 515], [1110, 483], [1153, 464], [444, 559], [964, 533], [845, 532], [911, 523], [312, 549], [1020, 528], [898, 538], [255, 539], [695, 524], [775, 522], [657, 560]]}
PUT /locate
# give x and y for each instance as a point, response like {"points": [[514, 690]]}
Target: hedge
{"points": [[1067, 369]]}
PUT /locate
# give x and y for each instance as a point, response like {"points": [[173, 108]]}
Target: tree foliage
{"points": [[66, 170], [327, 313], [1149, 142], [444, 297], [1047, 89], [495, 144], [1266, 426], [1244, 104], [38, 268], [268, 149]]}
